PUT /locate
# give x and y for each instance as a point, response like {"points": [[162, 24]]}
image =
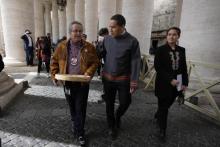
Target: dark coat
{"points": [[26, 42], [99, 49], [47, 46], [165, 72], [122, 58], [1, 63]]}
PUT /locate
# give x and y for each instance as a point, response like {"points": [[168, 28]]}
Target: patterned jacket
{"points": [[88, 59], [165, 69]]}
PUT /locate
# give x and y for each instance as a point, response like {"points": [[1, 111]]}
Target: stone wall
{"points": [[164, 17], [164, 14]]}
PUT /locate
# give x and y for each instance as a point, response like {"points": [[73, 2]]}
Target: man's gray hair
{"points": [[72, 23]]}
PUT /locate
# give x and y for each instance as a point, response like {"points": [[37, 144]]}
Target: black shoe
{"points": [[103, 97], [156, 123], [162, 136], [72, 128], [156, 115], [113, 133], [82, 141], [118, 123]]}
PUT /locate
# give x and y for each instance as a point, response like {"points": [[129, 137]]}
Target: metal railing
{"points": [[147, 73]]}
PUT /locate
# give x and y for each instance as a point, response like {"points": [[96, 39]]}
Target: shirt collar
{"points": [[123, 32], [77, 44]]}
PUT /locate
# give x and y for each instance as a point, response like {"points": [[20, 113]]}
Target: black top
{"points": [[168, 63], [1, 63], [47, 46], [26, 42], [99, 49]]}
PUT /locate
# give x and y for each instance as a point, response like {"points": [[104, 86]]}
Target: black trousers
{"points": [[39, 69], [77, 96], [29, 56], [111, 88], [164, 103], [99, 69]]}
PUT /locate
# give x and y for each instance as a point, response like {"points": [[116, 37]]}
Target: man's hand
{"points": [[90, 78], [174, 82], [132, 89], [55, 82]]}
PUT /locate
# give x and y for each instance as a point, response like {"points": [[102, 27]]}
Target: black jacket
{"points": [[165, 72], [26, 43], [47, 46], [1, 63], [99, 49]]}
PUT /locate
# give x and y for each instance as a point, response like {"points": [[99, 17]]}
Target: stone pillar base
{"points": [[9, 89], [13, 62]]}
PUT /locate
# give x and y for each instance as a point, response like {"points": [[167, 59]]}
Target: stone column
{"points": [[14, 24], [107, 8], [55, 22], [178, 12], [80, 11], [139, 17], [38, 18], [91, 19], [62, 23], [70, 14], [47, 15], [119, 6], [1, 36], [200, 24]]}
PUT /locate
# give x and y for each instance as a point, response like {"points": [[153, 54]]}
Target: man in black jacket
{"points": [[28, 47], [121, 70], [99, 47], [1, 63]]}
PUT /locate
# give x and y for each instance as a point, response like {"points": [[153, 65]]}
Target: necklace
{"points": [[74, 60]]}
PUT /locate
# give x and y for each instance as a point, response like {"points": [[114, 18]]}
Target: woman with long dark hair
{"points": [[171, 77], [43, 53]]}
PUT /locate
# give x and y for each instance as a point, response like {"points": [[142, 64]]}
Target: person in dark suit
{"points": [[170, 61], [2, 65], [28, 47], [99, 47]]}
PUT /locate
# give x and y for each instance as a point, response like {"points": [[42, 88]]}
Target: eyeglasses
{"points": [[77, 31]]}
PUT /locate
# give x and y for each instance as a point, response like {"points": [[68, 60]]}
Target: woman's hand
{"points": [[174, 82], [183, 88]]}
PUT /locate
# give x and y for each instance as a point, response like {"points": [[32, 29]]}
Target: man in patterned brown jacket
{"points": [[78, 57]]}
